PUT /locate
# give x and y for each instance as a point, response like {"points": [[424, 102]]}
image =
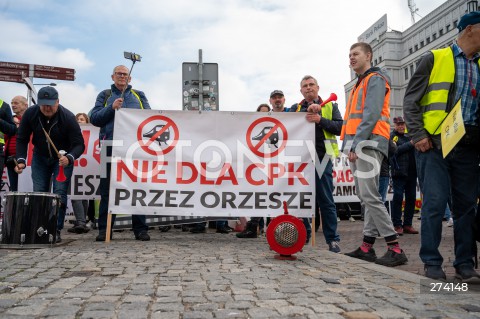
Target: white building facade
{"points": [[400, 52]]}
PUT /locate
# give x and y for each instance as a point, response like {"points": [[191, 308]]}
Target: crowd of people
{"points": [[377, 154]]}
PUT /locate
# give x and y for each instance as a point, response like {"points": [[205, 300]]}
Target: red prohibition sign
{"points": [[145, 144], [276, 125]]}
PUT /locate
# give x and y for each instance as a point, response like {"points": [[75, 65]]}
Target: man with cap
{"points": [[277, 101], [328, 123], [50, 118], [404, 178], [444, 77]]}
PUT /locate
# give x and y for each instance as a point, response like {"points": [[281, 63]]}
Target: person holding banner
{"points": [[19, 106], [53, 129], [365, 135], [120, 95], [328, 123], [444, 78]]}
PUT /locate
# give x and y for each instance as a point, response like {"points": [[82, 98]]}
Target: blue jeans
{"points": [[383, 187], [324, 201], [407, 185], [138, 221], [44, 169], [457, 173]]}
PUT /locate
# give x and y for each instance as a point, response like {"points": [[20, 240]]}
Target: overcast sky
{"points": [[259, 45]]}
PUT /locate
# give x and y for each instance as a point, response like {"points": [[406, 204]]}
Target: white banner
{"points": [[212, 163], [86, 173]]}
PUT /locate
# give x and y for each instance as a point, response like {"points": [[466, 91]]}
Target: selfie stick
{"points": [[134, 57]]}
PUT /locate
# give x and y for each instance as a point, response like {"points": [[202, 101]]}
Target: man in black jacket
{"points": [[49, 117], [404, 178]]}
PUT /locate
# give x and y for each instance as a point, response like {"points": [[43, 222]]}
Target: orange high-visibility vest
{"points": [[356, 104]]}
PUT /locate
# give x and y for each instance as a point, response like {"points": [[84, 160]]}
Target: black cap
{"points": [[468, 19], [398, 119], [276, 92], [47, 96]]}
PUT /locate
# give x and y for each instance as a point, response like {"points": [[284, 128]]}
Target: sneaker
{"points": [[338, 219], [351, 219], [409, 230], [247, 233], [399, 230], [466, 273], [450, 222], [360, 254], [164, 229], [79, 229], [143, 236], [334, 247], [392, 259], [434, 272], [58, 239]]}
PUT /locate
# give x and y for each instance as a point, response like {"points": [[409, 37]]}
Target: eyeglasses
{"points": [[120, 74]]}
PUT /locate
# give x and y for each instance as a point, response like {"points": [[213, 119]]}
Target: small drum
{"points": [[30, 218]]}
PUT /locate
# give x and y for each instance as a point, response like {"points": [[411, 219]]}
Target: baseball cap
{"points": [[47, 96], [468, 19], [398, 119], [276, 92]]}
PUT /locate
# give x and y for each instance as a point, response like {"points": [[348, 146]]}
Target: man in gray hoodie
{"points": [[365, 135]]}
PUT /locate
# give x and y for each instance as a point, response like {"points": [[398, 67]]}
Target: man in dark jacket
{"points": [[102, 115], [50, 118], [328, 123], [404, 178]]}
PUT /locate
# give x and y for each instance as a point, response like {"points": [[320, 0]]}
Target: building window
{"points": [[422, 44], [406, 73], [375, 63], [428, 40], [448, 27], [455, 23], [434, 36], [440, 32], [416, 47], [411, 69], [410, 50], [379, 59]]}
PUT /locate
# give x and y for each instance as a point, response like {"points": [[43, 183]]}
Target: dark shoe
{"points": [[102, 235], [334, 247], [164, 229], [58, 239], [143, 236], [392, 259], [399, 230], [368, 256], [198, 230], [434, 272], [223, 230], [409, 230], [79, 229], [247, 233], [466, 273]]}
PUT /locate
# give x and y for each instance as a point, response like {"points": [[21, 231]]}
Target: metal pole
{"points": [[200, 80]]}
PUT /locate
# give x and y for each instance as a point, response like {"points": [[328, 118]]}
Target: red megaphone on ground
{"points": [[333, 97]]}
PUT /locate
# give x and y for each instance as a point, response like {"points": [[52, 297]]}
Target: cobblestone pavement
{"points": [[184, 275]]}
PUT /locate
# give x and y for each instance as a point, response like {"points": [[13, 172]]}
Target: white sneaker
{"points": [[351, 219], [450, 222], [338, 219]]}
